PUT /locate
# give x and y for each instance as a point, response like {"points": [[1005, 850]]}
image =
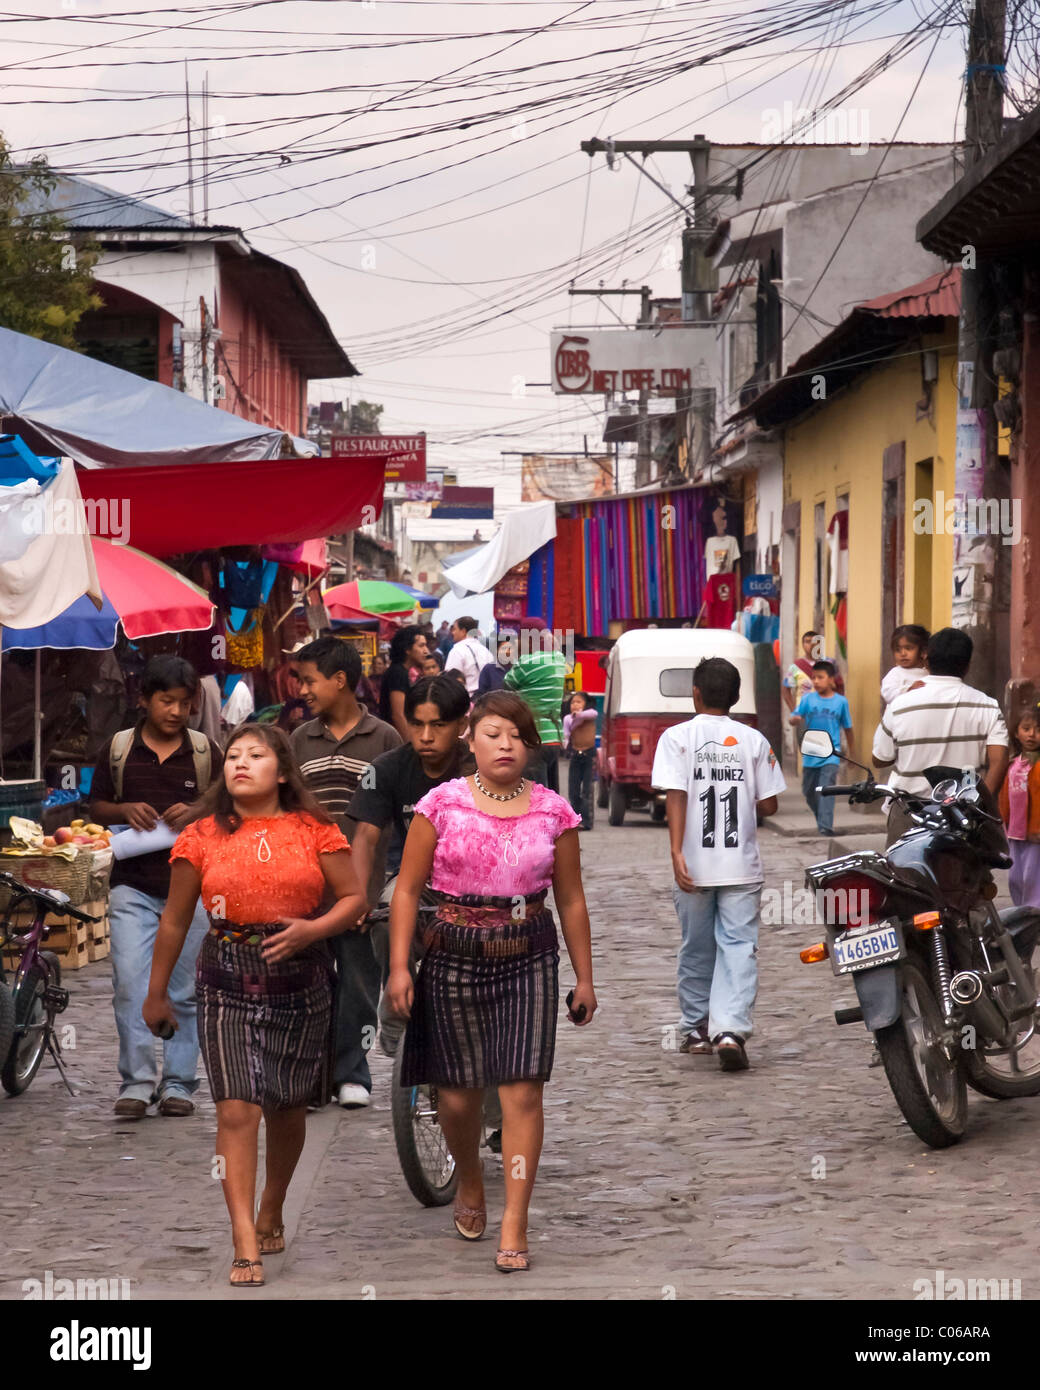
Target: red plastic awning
{"points": [[205, 506]]}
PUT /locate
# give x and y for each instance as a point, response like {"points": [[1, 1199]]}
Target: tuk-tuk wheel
{"points": [[617, 804], [602, 792]]}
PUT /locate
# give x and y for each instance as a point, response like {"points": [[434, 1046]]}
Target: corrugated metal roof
{"points": [[938, 297], [84, 204]]}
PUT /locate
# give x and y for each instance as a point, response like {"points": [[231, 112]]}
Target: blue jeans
{"points": [[822, 807], [360, 973], [581, 777], [135, 923], [718, 958]]}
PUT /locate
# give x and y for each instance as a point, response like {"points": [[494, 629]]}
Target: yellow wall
{"points": [[839, 449]]}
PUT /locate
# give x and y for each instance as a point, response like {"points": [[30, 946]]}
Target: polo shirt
{"points": [[161, 785], [399, 780], [539, 679], [332, 769], [943, 724]]}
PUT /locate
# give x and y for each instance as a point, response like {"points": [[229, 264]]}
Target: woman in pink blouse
{"points": [[483, 1009]]}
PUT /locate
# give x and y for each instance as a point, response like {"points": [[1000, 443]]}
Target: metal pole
{"points": [[980, 597], [37, 719]]}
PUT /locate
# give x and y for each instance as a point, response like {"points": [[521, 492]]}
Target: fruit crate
{"points": [[69, 942], [76, 944]]}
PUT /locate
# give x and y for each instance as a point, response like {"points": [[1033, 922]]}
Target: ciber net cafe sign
{"points": [[403, 454], [664, 361]]}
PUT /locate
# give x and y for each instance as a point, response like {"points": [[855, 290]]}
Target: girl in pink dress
{"points": [[483, 1009]]}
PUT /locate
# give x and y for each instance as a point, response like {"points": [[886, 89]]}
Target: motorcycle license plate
{"points": [[851, 951]]}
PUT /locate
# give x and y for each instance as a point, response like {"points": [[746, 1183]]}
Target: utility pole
{"points": [[980, 570], [644, 453], [699, 277], [191, 173], [204, 346]]}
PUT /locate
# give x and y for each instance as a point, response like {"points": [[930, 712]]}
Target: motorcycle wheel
{"points": [[31, 1025], [929, 1089], [617, 805], [422, 1150], [1005, 1075]]}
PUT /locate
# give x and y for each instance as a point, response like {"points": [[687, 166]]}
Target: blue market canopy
{"points": [[101, 416]]}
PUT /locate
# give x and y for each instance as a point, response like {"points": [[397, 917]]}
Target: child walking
{"points": [[720, 777], [823, 708], [1020, 808], [579, 737], [909, 645]]}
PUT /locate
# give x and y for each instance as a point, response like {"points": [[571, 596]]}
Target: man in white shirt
{"points": [[720, 776], [721, 551], [467, 655], [943, 723]]}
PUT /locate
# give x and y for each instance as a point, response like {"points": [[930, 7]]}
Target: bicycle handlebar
{"points": [[46, 897]]}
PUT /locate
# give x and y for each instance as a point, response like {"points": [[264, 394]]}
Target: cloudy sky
{"points": [[419, 162]]}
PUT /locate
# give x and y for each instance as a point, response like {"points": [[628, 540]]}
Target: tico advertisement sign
{"points": [[403, 454], [662, 360]]}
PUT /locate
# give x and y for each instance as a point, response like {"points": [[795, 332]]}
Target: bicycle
{"points": [[422, 1150], [36, 995]]}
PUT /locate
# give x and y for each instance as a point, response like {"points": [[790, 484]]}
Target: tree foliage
{"points": [[364, 417], [46, 272]]}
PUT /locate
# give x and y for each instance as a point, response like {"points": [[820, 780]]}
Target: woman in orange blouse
{"points": [[262, 853]]}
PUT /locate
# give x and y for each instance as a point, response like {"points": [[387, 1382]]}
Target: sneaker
{"points": [[875, 1056], [353, 1097], [821, 831], [732, 1056], [128, 1108], [697, 1041], [176, 1105]]}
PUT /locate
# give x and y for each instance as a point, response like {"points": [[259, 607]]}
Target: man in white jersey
{"points": [[720, 776]]}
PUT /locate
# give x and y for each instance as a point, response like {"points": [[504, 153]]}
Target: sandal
{"points": [[460, 1211], [272, 1242], [521, 1255], [251, 1282]]}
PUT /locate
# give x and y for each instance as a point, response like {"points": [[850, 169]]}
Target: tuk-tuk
{"points": [[650, 688]]}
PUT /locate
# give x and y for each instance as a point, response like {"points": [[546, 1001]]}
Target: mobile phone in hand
{"points": [[575, 1017]]}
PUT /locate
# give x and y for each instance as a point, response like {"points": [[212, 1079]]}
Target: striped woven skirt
{"points": [[486, 996], [265, 1031]]}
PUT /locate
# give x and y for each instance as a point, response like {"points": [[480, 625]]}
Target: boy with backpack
{"points": [[146, 776], [721, 777]]}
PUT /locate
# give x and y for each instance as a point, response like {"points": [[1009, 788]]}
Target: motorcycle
{"points": [[945, 982]]}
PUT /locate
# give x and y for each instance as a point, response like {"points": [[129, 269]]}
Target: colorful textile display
{"points": [[626, 558]]}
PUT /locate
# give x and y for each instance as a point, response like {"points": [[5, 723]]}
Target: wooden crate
{"points": [[70, 943]]}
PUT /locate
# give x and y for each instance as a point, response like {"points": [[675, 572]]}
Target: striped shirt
{"points": [[332, 770], [538, 678], [943, 724]]}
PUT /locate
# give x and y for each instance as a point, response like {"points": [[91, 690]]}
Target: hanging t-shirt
{"points": [[720, 600], [721, 553], [724, 768], [838, 544]]}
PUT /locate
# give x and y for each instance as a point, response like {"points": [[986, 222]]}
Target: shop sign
{"points": [[664, 361], [403, 454]]}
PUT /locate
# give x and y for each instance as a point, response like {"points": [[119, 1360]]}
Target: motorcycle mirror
{"points": [[944, 791], [816, 743]]}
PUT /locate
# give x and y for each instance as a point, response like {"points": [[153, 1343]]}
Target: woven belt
{"points": [[434, 940], [249, 934], [496, 912]]}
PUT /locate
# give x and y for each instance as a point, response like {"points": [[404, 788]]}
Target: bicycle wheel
{"points": [[422, 1150], [6, 1020], [31, 1026]]}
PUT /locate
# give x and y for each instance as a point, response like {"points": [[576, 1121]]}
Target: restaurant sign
{"points": [[664, 361], [403, 454]]}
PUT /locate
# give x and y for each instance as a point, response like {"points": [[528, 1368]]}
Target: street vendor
{"points": [[147, 776]]}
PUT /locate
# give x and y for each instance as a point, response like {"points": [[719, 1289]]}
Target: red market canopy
{"points": [[150, 597], [181, 507]]}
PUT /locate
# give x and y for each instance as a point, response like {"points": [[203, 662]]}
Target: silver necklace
{"points": [[495, 796]]}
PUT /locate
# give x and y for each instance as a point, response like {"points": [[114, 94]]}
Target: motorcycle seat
{"points": [[997, 860]]}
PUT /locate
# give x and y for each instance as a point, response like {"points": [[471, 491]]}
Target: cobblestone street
{"points": [[661, 1176]]}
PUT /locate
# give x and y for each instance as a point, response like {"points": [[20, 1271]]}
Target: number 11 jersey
{"points": [[724, 768]]}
